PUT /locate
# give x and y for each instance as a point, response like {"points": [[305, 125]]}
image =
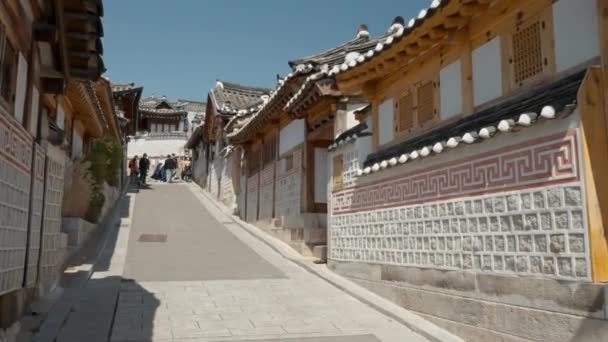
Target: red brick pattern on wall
{"points": [[539, 162]]}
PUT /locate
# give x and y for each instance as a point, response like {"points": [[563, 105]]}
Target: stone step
{"points": [[320, 252]]}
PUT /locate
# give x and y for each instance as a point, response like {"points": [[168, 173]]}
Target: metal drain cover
{"points": [[152, 238]]}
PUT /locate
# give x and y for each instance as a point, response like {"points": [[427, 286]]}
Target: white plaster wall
{"points": [[155, 148], [450, 78], [575, 23], [320, 175], [21, 88], [34, 111], [487, 74], [291, 136], [60, 116], [386, 121], [363, 145], [77, 141]]}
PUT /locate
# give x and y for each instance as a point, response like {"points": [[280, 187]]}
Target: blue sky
{"points": [[179, 48]]}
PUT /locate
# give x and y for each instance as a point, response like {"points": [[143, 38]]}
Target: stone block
{"points": [[450, 280]]}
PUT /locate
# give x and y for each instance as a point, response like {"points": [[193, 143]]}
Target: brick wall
{"points": [[288, 186], [513, 210], [267, 191], [252, 198]]}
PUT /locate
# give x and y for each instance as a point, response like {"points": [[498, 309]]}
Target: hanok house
{"points": [[482, 203], [44, 46], [126, 99], [161, 130], [215, 162], [286, 148]]}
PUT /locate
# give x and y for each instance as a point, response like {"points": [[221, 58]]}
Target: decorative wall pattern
{"points": [[517, 210], [539, 232], [252, 198], [540, 162], [351, 165], [267, 191], [288, 187], [37, 197], [15, 165], [52, 249]]}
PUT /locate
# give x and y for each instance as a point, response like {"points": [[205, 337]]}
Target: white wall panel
{"points": [[575, 23], [21, 88], [291, 136], [450, 80], [320, 175], [386, 121], [487, 72]]}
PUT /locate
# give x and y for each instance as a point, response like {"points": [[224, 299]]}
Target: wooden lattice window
{"points": [[528, 52], [338, 168], [426, 103], [405, 113]]}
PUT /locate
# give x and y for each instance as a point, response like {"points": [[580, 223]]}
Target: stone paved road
{"points": [[210, 281]]}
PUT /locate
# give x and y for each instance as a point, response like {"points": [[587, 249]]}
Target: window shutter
{"points": [[527, 52], [405, 112], [426, 103], [338, 167]]}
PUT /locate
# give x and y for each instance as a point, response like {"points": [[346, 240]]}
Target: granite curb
{"points": [[386, 307]]}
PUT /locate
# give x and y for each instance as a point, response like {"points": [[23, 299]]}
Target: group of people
{"points": [[164, 171]]}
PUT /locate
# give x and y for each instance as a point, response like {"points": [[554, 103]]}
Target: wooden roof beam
{"points": [[473, 9], [454, 21]]}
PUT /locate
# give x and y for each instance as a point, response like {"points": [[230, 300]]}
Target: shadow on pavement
{"points": [[97, 303]]}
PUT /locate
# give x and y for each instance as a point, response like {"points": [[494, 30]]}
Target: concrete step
{"points": [[320, 252]]}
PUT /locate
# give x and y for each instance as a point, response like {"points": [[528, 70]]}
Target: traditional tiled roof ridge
{"points": [[319, 58], [244, 88], [231, 98], [166, 111], [397, 31], [546, 102], [125, 87], [350, 135]]}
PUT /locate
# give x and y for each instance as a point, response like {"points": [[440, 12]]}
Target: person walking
{"points": [[134, 168], [170, 166], [144, 166]]}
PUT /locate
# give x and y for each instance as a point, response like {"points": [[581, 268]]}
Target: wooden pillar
{"points": [[591, 99], [466, 63]]}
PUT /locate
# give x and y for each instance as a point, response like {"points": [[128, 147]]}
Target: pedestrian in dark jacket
{"points": [[170, 166], [144, 166]]}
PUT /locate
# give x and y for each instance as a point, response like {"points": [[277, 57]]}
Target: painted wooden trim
{"points": [[591, 99]]}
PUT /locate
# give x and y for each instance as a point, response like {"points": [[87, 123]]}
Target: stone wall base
{"points": [[485, 307], [77, 230]]}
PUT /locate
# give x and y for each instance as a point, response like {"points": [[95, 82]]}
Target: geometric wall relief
{"points": [[52, 252], [526, 216], [537, 232], [33, 250], [539, 162], [15, 179], [288, 186]]}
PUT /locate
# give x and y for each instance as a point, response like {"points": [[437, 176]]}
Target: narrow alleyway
{"points": [[189, 273]]}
